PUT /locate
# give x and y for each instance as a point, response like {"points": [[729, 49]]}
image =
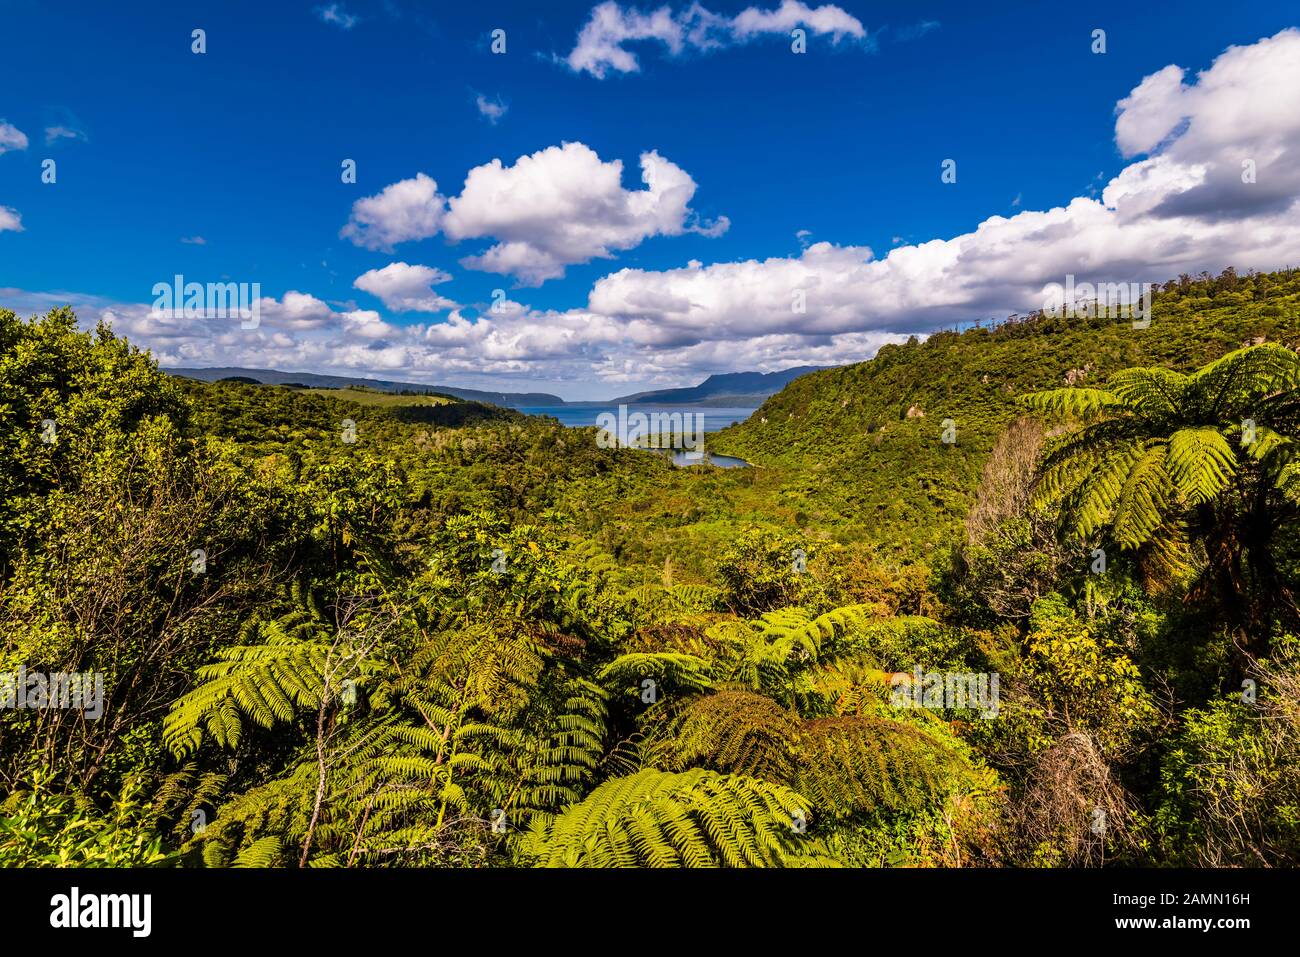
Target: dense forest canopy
{"points": [[1023, 595]]}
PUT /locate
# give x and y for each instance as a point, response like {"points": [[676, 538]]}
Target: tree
{"points": [[764, 569], [1196, 472]]}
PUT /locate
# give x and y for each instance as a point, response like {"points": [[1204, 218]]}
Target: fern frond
{"points": [[1201, 463], [865, 765], [1140, 508], [655, 819], [733, 732], [1072, 402], [264, 852], [1151, 393], [627, 672]]}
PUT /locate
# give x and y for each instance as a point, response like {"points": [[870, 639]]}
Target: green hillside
{"points": [[851, 458], [386, 399]]}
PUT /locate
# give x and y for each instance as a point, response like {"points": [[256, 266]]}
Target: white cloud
{"points": [[406, 210], [368, 325], [406, 288], [296, 310], [557, 207], [10, 219], [194, 241], [1150, 113], [335, 14], [600, 46], [11, 138], [491, 109], [790, 14], [1244, 109], [564, 205]]}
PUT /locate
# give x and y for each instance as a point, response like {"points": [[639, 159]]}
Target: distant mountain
{"points": [[729, 388], [511, 400]]}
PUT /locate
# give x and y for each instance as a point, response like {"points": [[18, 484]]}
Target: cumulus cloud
{"points": [[554, 208], [295, 311], [10, 220], [11, 138], [1150, 113], [405, 288], [564, 205], [1241, 116], [601, 43], [406, 210], [1180, 205]]}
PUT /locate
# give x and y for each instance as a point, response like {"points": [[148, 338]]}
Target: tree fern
{"points": [[626, 673], [480, 728], [866, 765], [793, 630], [655, 819], [1164, 461], [732, 731]]}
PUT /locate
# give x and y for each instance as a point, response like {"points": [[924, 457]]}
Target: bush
{"points": [[763, 570]]}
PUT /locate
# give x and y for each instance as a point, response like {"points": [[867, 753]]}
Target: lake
{"points": [[683, 458], [716, 418]]}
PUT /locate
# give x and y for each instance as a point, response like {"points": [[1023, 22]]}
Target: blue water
{"points": [[684, 459], [716, 418]]}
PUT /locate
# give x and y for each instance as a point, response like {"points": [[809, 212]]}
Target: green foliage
{"points": [[284, 666], [732, 732], [475, 638], [1075, 677], [91, 388], [677, 672], [41, 828], [1230, 780], [656, 819], [862, 766], [763, 570]]}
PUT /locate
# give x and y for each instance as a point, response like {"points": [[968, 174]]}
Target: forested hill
{"points": [[318, 380], [864, 440], [265, 418]]}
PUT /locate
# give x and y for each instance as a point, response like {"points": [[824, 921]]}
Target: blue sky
{"points": [[226, 166]]}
